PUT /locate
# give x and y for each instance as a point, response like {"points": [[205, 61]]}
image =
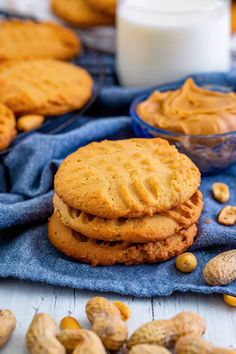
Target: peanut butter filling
{"points": [[190, 110]]}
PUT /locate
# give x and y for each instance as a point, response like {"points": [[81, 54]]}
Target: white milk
{"points": [[162, 40]]}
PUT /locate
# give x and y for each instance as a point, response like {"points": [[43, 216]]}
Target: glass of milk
{"points": [[160, 41]]}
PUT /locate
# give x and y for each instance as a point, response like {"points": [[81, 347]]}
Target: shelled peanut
{"points": [[69, 322], [230, 300], [29, 122], [186, 262], [124, 310]]}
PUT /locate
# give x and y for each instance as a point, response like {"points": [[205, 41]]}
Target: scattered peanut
{"points": [[69, 323], [41, 336], [7, 325], [148, 349], [81, 341], [196, 345], [221, 192], [166, 332], [107, 322], [227, 216], [29, 122], [109, 331], [186, 262], [230, 300], [221, 270], [124, 310]]}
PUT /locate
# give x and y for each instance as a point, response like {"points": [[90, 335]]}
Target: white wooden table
{"points": [[26, 299]]}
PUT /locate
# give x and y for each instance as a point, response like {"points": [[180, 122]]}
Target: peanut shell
{"points": [[221, 270], [7, 325], [81, 341], [197, 345], [148, 349], [41, 336], [166, 332]]}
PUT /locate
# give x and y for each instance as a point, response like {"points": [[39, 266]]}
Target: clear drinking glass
{"points": [[162, 40]]}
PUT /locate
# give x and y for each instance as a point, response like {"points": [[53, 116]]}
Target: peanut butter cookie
{"points": [[97, 252], [7, 126], [126, 178], [145, 229], [106, 6], [28, 39], [80, 13], [47, 87]]}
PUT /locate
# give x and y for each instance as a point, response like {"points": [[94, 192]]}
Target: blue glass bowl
{"points": [[211, 153]]}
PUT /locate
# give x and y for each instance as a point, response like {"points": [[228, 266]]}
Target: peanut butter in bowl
{"points": [[199, 121], [190, 110]]}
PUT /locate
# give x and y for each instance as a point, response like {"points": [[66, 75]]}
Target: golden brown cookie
{"points": [[97, 252], [46, 87], [126, 178], [106, 6], [80, 13], [28, 39], [7, 126], [145, 229]]}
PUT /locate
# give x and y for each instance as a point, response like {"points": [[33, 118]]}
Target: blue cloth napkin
{"points": [[26, 182]]}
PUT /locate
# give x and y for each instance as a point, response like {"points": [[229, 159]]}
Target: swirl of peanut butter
{"points": [[190, 110]]}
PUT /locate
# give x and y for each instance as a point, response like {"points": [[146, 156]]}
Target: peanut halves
{"points": [[221, 192], [29, 122], [227, 216]]}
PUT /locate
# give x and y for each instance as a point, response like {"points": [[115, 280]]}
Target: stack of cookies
{"points": [[129, 202]]}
